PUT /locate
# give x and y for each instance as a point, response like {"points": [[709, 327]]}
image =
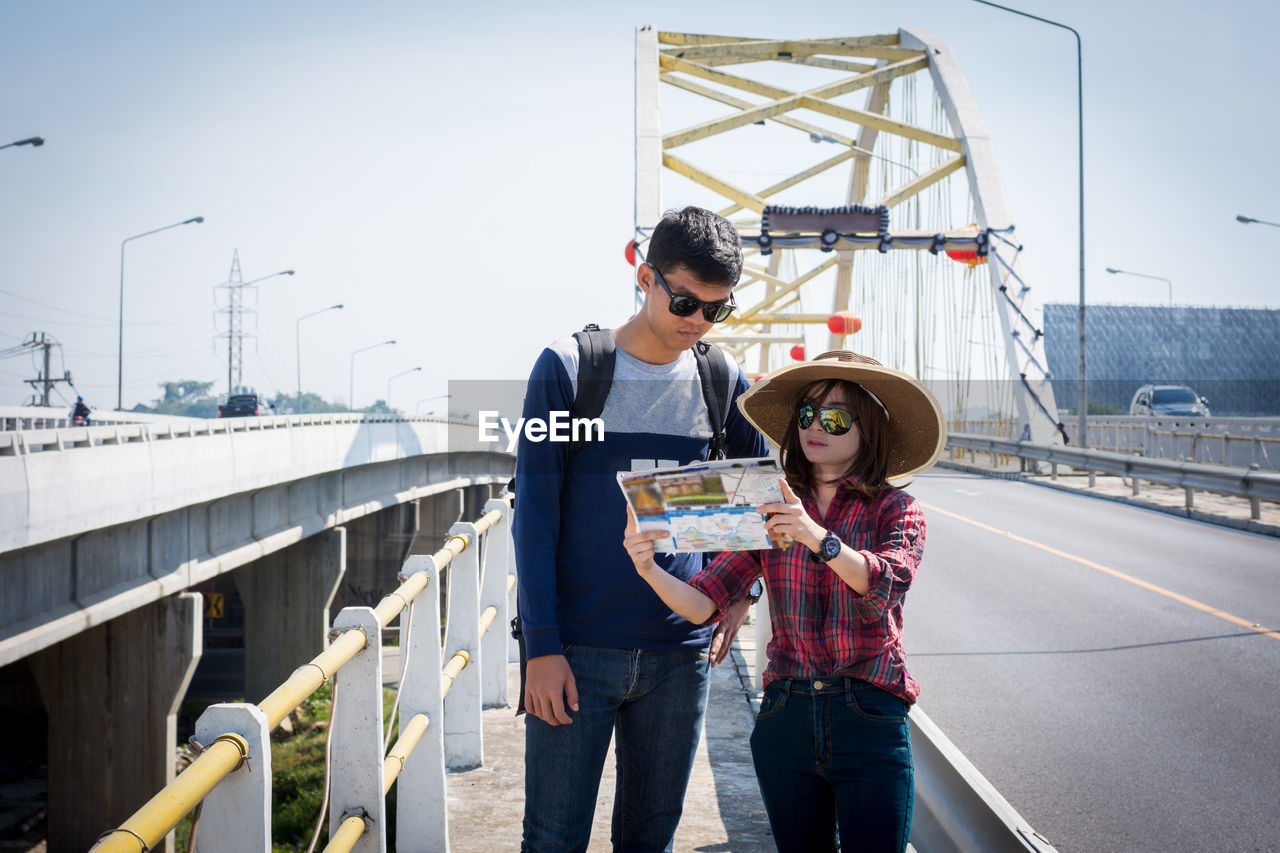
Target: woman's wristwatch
{"points": [[828, 548]]}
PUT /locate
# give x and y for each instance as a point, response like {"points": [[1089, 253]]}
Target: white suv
{"points": [[1169, 400]]}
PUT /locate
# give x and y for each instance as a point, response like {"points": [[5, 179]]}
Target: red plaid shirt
{"points": [[821, 627]]}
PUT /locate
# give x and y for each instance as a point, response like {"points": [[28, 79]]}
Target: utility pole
{"points": [[234, 310], [235, 286], [47, 343]]}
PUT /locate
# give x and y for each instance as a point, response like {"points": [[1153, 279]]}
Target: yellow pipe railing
{"points": [[151, 823], [402, 749], [344, 840], [307, 678], [486, 618], [456, 664], [148, 825]]}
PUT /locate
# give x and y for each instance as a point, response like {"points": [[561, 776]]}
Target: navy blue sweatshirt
{"points": [[577, 586]]}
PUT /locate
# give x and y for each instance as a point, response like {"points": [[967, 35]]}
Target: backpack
{"points": [[596, 358]]}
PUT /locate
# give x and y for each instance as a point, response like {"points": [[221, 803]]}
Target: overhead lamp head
{"points": [[195, 220]]}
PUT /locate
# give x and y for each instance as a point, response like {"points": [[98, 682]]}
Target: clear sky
{"points": [[459, 176]]}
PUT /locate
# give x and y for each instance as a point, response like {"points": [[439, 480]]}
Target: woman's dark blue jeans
{"points": [[833, 756]]}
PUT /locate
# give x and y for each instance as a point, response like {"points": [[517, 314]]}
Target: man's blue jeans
{"points": [[834, 753], [653, 701]]}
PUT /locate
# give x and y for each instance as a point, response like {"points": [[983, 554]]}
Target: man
{"points": [[605, 655], [80, 414]]}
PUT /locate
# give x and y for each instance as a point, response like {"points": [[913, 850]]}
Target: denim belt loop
{"points": [[848, 690]]}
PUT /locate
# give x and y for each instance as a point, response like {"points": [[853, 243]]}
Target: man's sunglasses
{"points": [[833, 421], [683, 306]]}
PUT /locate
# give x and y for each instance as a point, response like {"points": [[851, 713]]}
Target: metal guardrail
{"points": [[434, 701], [1255, 486], [1233, 442], [49, 437]]}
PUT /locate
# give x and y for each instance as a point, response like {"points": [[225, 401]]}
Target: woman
{"points": [[831, 745]]}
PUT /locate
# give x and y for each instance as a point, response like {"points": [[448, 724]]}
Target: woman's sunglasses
{"points": [[833, 421], [683, 306]]}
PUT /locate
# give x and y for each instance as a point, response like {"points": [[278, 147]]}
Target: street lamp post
{"points": [[34, 142], [235, 341], [1082, 394], [1115, 271], [195, 220], [1247, 219], [351, 373], [1172, 337], [397, 376], [418, 406], [297, 346]]}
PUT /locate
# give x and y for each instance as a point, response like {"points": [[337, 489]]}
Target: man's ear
{"points": [[644, 277]]}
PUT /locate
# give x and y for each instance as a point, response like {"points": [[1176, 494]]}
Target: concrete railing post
{"points": [[513, 597], [764, 633], [498, 565], [463, 740], [422, 819], [236, 816], [356, 761]]}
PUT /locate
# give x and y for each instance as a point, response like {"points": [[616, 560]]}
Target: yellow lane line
{"points": [[1190, 602]]}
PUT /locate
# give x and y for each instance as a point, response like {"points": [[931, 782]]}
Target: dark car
{"points": [[240, 406]]}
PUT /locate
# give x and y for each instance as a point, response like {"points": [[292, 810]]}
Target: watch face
{"points": [[830, 546]]}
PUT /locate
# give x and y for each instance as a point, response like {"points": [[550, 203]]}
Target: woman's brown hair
{"points": [[867, 470]]}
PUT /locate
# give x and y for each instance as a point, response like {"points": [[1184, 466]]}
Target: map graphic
{"points": [[706, 506]]}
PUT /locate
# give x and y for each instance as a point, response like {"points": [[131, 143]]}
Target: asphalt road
{"points": [[1112, 716]]}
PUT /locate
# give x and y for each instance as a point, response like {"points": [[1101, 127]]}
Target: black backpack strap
{"points": [[713, 371], [517, 633], [596, 357]]}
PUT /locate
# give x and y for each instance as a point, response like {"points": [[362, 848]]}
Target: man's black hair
{"points": [[704, 242]]}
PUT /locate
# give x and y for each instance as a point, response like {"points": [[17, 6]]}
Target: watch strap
{"points": [[829, 543]]}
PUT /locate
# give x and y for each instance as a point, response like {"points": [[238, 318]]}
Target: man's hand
{"points": [[548, 680], [722, 639]]}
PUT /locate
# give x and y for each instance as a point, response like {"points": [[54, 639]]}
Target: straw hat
{"points": [[917, 430]]}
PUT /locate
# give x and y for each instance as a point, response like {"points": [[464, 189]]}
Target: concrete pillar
{"points": [[376, 547], [287, 596], [112, 695], [463, 732], [473, 504], [437, 514]]}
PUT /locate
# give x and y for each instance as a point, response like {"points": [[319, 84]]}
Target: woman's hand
{"points": [[639, 543], [790, 519], [693, 604]]}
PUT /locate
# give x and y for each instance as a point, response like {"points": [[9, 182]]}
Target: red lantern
{"points": [[630, 253], [797, 352], [844, 323], [967, 256]]}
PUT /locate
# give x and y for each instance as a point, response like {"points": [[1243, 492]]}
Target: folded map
{"points": [[706, 506]]}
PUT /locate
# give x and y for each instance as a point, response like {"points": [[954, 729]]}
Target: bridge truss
{"points": [[831, 126]]}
